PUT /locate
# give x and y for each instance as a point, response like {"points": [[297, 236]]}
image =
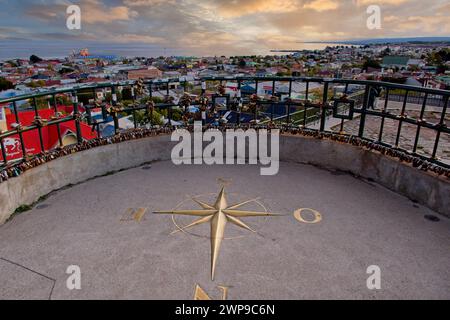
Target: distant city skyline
{"points": [[213, 27]]}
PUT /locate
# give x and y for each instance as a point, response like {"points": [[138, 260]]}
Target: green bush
{"points": [[143, 118]]}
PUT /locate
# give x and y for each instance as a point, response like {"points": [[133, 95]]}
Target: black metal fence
{"points": [[323, 105], [435, 101]]}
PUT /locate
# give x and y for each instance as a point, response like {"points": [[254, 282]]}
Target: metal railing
{"points": [[317, 104], [414, 99]]}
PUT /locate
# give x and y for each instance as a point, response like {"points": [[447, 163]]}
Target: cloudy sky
{"points": [[227, 26]]}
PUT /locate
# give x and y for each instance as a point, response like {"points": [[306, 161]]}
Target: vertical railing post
{"points": [[22, 144], [324, 107], [36, 113], [239, 103], [255, 112], [93, 122], [204, 107], [341, 128], [439, 128], [169, 116], [89, 113], [77, 117], [149, 113], [305, 111], [4, 156], [419, 123], [58, 129], [114, 114], [272, 111], [133, 97], [288, 118], [383, 115], [272, 104], [400, 122], [363, 111]]}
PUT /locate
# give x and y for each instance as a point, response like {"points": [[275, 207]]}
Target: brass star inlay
{"points": [[218, 215]]}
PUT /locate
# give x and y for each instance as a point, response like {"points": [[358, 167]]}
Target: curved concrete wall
{"points": [[420, 186], [78, 167], [37, 182]]}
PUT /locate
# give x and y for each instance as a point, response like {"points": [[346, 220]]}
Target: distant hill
{"points": [[389, 41]]}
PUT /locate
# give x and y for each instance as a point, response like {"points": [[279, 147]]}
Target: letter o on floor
{"points": [[298, 216]]}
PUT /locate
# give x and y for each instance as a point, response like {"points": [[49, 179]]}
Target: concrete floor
{"points": [[363, 224]]}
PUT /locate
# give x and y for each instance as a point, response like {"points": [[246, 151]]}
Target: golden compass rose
{"points": [[218, 215]]}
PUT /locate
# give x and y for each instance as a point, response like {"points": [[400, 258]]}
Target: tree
{"points": [[12, 63], [143, 118], [444, 54], [399, 80], [439, 57], [36, 84], [313, 71], [441, 68], [85, 97], [65, 70], [413, 68], [42, 103], [370, 63], [345, 67], [63, 100], [284, 74], [126, 94], [176, 115], [156, 100], [35, 59], [108, 96], [5, 84], [386, 52]]}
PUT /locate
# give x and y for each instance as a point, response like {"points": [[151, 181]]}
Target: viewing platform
{"points": [[90, 225], [363, 181]]}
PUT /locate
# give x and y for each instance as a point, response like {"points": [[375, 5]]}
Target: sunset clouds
{"points": [[222, 26], [322, 5]]}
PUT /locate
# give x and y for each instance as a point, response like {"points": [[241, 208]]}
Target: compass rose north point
{"points": [[218, 215]]}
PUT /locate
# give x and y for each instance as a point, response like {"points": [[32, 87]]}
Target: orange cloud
{"points": [[381, 2], [127, 37], [238, 8], [147, 3], [429, 24], [93, 11], [322, 5]]}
